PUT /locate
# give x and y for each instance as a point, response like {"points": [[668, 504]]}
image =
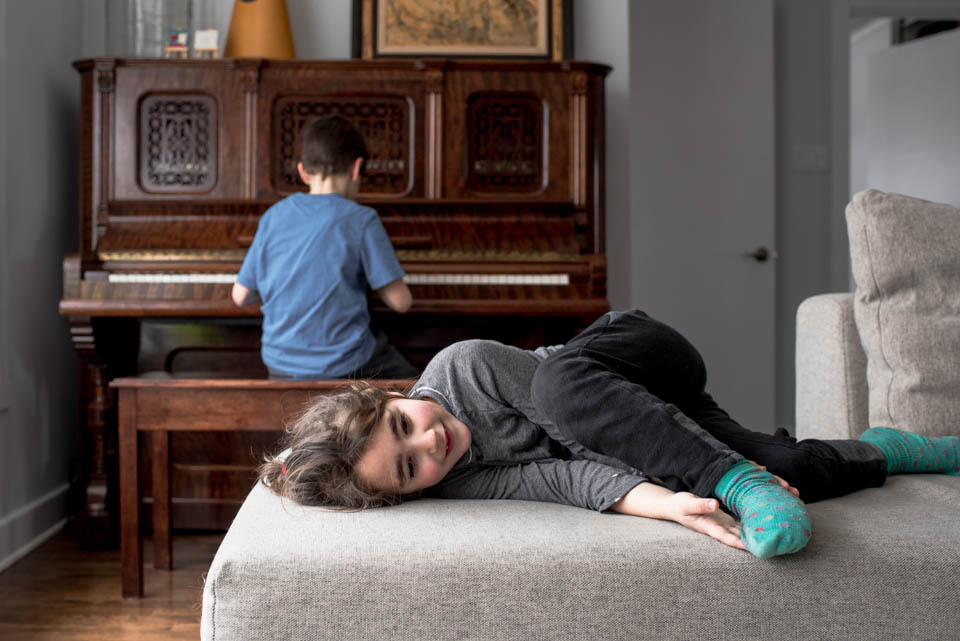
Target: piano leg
{"points": [[95, 522], [91, 525]]}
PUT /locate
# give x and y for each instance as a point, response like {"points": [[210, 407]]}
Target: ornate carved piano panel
{"points": [[488, 176], [178, 143], [386, 121]]}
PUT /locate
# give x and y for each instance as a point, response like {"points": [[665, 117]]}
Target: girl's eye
{"points": [[403, 424], [410, 469]]}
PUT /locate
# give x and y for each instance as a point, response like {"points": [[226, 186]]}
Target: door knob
{"points": [[761, 254]]}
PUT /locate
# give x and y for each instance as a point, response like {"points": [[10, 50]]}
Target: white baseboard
{"points": [[24, 529]]}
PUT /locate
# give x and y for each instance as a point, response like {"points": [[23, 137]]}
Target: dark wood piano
{"points": [[488, 176]]}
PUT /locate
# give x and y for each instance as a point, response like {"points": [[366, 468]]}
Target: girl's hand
{"points": [[703, 516], [690, 511], [782, 482]]}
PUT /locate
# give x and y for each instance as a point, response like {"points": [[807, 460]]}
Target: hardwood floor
{"points": [[61, 592]]}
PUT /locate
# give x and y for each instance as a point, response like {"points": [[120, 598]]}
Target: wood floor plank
{"points": [[62, 592]]}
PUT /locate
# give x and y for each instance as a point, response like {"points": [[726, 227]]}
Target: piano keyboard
{"points": [[562, 280]]}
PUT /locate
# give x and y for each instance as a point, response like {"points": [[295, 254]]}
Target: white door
{"points": [[702, 193]]}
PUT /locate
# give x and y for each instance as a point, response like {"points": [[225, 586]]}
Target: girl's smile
{"points": [[413, 446]]}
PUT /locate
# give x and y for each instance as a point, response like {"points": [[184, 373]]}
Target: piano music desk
{"points": [[162, 405]]}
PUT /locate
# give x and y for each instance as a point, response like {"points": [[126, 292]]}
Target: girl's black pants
{"points": [[633, 388]]}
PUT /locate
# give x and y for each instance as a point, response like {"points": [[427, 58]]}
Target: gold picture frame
{"points": [[536, 29]]}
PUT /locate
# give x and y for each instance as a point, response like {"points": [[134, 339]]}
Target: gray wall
{"points": [[38, 116], [4, 269], [602, 34], [866, 40], [806, 217]]}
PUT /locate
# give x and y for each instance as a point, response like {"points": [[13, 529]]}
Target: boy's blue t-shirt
{"points": [[311, 261]]}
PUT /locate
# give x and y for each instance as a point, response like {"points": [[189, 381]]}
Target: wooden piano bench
{"points": [[162, 405]]}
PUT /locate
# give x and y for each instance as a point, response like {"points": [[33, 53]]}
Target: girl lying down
{"points": [[617, 419]]}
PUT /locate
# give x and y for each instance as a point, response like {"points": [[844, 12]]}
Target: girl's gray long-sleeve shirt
{"points": [[516, 453]]}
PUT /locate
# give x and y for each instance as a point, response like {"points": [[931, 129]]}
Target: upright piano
{"points": [[487, 174]]}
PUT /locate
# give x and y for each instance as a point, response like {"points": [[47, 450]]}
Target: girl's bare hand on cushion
{"points": [[704, 516]]}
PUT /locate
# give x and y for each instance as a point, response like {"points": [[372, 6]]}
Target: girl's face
{"points": [[413, 447]]}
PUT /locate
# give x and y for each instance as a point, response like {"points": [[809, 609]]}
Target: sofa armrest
{"points": [[831, 370]]}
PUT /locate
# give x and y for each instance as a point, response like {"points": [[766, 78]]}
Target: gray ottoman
{"points": [[882, 564]]}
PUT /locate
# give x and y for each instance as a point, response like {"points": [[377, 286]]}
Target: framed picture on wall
{"points": [[537, 29]]}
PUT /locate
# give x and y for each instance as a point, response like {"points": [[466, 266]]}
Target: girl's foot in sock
{"points": [[773, 521], [907, 452]]}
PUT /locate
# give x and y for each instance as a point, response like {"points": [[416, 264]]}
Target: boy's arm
{"points": [[244, 295], [396, 295], [693, 512]]}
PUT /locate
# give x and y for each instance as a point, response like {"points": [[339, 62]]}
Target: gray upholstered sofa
{"points": [[882, 564]]}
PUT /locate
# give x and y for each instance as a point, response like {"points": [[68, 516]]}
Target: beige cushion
{"points": [[883, 563], [905, 255], [831, 370]]}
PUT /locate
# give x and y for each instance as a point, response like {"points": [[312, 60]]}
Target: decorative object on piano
{"points": [[259, 29], [177, 44], [205, 43], [475, 28], [151, 24]]}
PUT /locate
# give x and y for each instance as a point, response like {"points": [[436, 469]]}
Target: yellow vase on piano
{"points": [[259, 29]]}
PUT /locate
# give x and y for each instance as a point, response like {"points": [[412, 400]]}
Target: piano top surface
{"points": [[349, 65]]}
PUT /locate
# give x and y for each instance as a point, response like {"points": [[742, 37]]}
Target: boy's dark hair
{"points": [[325, 443], [330, 146]]}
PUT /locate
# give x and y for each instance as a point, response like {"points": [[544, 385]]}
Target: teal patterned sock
{"points": [[908, 453], [773, 521]]}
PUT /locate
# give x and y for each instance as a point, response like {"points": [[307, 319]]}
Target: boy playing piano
{"points": [[310, 264]]}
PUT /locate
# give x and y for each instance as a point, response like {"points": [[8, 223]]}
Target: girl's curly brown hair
{"points": [[325, 443]]}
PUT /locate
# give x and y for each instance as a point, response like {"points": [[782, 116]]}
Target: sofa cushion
{"points": [[883, 563], [831, 370], [905, 255]]}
